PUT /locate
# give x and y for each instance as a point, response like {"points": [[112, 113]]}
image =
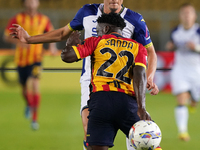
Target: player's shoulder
{"points": [[132, 16], [42, 15], [93, 39], [90, 9], [19, 14], [197, 26], [176, 29]]}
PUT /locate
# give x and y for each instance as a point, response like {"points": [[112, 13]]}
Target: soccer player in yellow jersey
{"points": [[28, 57], [118, 80]]}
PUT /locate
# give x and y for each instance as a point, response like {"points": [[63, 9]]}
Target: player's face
{"points": [[112, 6], [187, 15], [31, 4]]}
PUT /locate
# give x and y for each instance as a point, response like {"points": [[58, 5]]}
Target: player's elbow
{"points": [[67, 58]]}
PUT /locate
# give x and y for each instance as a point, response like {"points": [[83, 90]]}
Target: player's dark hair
{"points": [[113, 19]]}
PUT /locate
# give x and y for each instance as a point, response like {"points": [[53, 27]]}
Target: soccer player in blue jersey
{"points": [[185, 39], [85, 18]]}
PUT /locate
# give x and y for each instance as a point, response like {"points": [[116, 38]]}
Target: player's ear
{"points": [[106, 29]]}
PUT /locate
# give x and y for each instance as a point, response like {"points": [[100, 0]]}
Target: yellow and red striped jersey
{"points": [[38, 24], [112, 59]]}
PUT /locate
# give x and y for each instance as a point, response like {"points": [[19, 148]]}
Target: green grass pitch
{"points": [[60, 121]]}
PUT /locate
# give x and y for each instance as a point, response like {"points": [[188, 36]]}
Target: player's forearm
{"points": [[49, 37], [152, 63], [139, 83]]}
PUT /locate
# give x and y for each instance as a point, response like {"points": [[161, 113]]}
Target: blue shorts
{"points": [[29, 71], [110, 111]]}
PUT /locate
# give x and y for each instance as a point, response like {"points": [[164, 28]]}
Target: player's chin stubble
{"points": [[113, 10]]}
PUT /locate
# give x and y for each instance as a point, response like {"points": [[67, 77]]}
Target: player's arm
{"points": [[142, 36], [139, 84], [170, 46], [7, 38], [152, 63], [53, 36], [193, 47], [75, 50]]}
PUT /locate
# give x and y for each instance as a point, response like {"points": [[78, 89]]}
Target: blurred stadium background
{"points": [[60, 122]]}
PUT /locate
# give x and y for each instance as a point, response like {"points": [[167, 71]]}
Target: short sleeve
{"points": [[141, 33], [141, 56], [77, 22]]}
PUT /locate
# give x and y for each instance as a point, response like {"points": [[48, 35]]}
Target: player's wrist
{"points": [[29, 40]]}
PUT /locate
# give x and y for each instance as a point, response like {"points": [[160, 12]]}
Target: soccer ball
{"points": [[145, 135]]}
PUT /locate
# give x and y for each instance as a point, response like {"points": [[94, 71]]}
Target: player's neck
{"points": [[116, 31], [187, 26], [31, 12]]}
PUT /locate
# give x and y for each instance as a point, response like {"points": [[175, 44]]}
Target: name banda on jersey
{"points": [[120, 43]]}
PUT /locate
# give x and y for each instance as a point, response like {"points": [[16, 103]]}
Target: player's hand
{"points": [[19, 33], [152, 87], [191, 46], [73, 39], [169, 46], [143, 114]]}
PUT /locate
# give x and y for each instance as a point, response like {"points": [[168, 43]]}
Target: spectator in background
{"points": [[185, 39], [28, 57]]}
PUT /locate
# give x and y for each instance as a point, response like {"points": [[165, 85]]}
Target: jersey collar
{"points": [[116, 34]]}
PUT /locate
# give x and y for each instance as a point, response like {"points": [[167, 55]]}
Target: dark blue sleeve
{"points": [[77, 22], [141, 33], [198, 30], [172, 31], [86, 10]]}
